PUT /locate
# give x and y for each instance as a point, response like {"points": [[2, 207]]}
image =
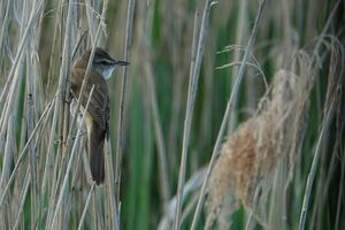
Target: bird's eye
{"points": [[104, 63]]}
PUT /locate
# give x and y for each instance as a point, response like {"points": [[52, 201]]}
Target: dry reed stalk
{"points": [[24, 149], [48, 178], [191, 187], [339, 82], [90, 20], [22, 196], [48, 169], [228, 110], [69, 166], [63, 85], [198, 49], [77, 171], [33, 101], [59, 113], [187, 122], [241, 35], [54, 60], [326, 151], [325, 126], [5, 6], [120, 132], [32, 152], [13, 83], [113, 220], [8, 154]]}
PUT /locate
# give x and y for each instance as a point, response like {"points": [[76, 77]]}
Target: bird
{"points": [[98, 111]]}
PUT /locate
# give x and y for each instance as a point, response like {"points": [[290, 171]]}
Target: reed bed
{"points": [[230, 115]]}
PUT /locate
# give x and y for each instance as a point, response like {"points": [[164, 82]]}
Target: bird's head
{"points": [[102, 62]]}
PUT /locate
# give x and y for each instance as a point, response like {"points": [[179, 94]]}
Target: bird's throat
{"points": [[107, 72]]}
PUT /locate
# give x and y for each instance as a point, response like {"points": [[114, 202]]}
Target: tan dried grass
{"points": [[251, 154]]}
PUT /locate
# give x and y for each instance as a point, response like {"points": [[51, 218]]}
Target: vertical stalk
{"points": [[198, 51], [123, 100], [229, 109]]}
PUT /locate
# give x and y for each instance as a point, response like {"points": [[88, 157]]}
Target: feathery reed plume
{"points": [[249, 156]]}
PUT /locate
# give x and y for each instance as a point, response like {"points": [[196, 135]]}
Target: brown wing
{"points": [[99, 103]]}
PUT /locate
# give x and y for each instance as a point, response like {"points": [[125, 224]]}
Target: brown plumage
{"points": [[97, 115]]}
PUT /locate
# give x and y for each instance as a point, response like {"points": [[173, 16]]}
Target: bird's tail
{"points": [[96, 143]]}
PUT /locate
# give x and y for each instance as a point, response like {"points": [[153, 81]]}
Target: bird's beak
{"points": [[122, 63]]}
